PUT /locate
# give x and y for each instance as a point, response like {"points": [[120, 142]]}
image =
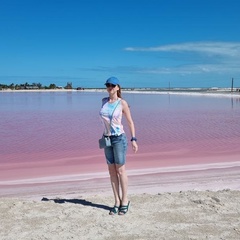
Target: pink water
{"points": [[55, 134]]}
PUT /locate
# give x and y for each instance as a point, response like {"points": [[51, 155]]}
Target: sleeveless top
{"points": [[111, 117]]}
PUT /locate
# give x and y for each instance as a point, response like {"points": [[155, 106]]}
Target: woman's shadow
{"points": [[78, 201]]}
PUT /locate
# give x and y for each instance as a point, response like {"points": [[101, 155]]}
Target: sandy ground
{"points": [[182, 215], [200, 204]]}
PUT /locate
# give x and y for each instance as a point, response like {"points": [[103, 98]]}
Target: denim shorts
{"points": [[116, 154]]}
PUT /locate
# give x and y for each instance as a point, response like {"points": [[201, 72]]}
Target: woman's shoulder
{"points": [[104, 100], [124, 102]]}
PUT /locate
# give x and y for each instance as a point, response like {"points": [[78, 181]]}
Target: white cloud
{"points": [[231, 49], [191, 69], [211, 57]]}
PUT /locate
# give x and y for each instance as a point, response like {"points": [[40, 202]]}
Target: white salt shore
{"points": [[220, 92], [182, 215]]}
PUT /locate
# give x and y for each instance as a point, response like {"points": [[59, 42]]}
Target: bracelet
{"points": [[133, 139]]}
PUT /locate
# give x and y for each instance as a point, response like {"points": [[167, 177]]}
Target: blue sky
{"points": [[147, 43]]}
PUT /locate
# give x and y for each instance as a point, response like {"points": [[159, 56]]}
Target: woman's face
{"points": [[111, 88]]}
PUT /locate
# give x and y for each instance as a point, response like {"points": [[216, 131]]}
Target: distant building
{"points": [[69, 85], [80, 88], [32, 87]]}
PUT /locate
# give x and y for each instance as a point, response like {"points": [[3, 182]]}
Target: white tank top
{"points": [[111, 116]]}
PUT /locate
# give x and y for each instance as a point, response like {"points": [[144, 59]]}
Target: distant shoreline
{"points": [[181, 91]]}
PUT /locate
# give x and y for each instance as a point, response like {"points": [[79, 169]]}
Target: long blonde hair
{"points": [[119, 92]]}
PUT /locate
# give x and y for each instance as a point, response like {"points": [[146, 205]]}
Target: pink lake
{"points": [[53, 136]]}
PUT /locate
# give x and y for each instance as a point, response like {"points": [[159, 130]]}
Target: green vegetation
{"points": [[33, 86]]}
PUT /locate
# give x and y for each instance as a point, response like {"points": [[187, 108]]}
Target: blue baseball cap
{"points": [[113, 80]]}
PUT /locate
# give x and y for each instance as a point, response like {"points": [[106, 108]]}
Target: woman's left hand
{"points": [[134, 146]]}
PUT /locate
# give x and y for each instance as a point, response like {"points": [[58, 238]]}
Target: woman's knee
{"points": [[112, 170], [120, 170]]}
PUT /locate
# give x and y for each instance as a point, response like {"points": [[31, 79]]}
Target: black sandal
{"points": [[123, 209], [114, 210]]}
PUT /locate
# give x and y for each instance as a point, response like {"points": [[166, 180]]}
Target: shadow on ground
{"points": [[77, 201]]}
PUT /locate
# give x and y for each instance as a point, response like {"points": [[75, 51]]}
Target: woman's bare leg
{"points": [[115, 183], [123, 179]]}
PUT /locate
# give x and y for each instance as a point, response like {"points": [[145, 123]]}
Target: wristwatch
{"points": [[133, 139]]}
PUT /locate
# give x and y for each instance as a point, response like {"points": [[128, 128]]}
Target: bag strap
{"points": [[111, 117]]}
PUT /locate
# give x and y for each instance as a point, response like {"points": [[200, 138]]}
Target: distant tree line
{"points": [[34, 86]]}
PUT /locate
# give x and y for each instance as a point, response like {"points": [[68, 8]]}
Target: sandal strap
{"points": [[115, 209], [124, 208]]}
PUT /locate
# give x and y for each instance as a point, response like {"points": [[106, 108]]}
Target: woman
{"points": [[111, 114]]}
